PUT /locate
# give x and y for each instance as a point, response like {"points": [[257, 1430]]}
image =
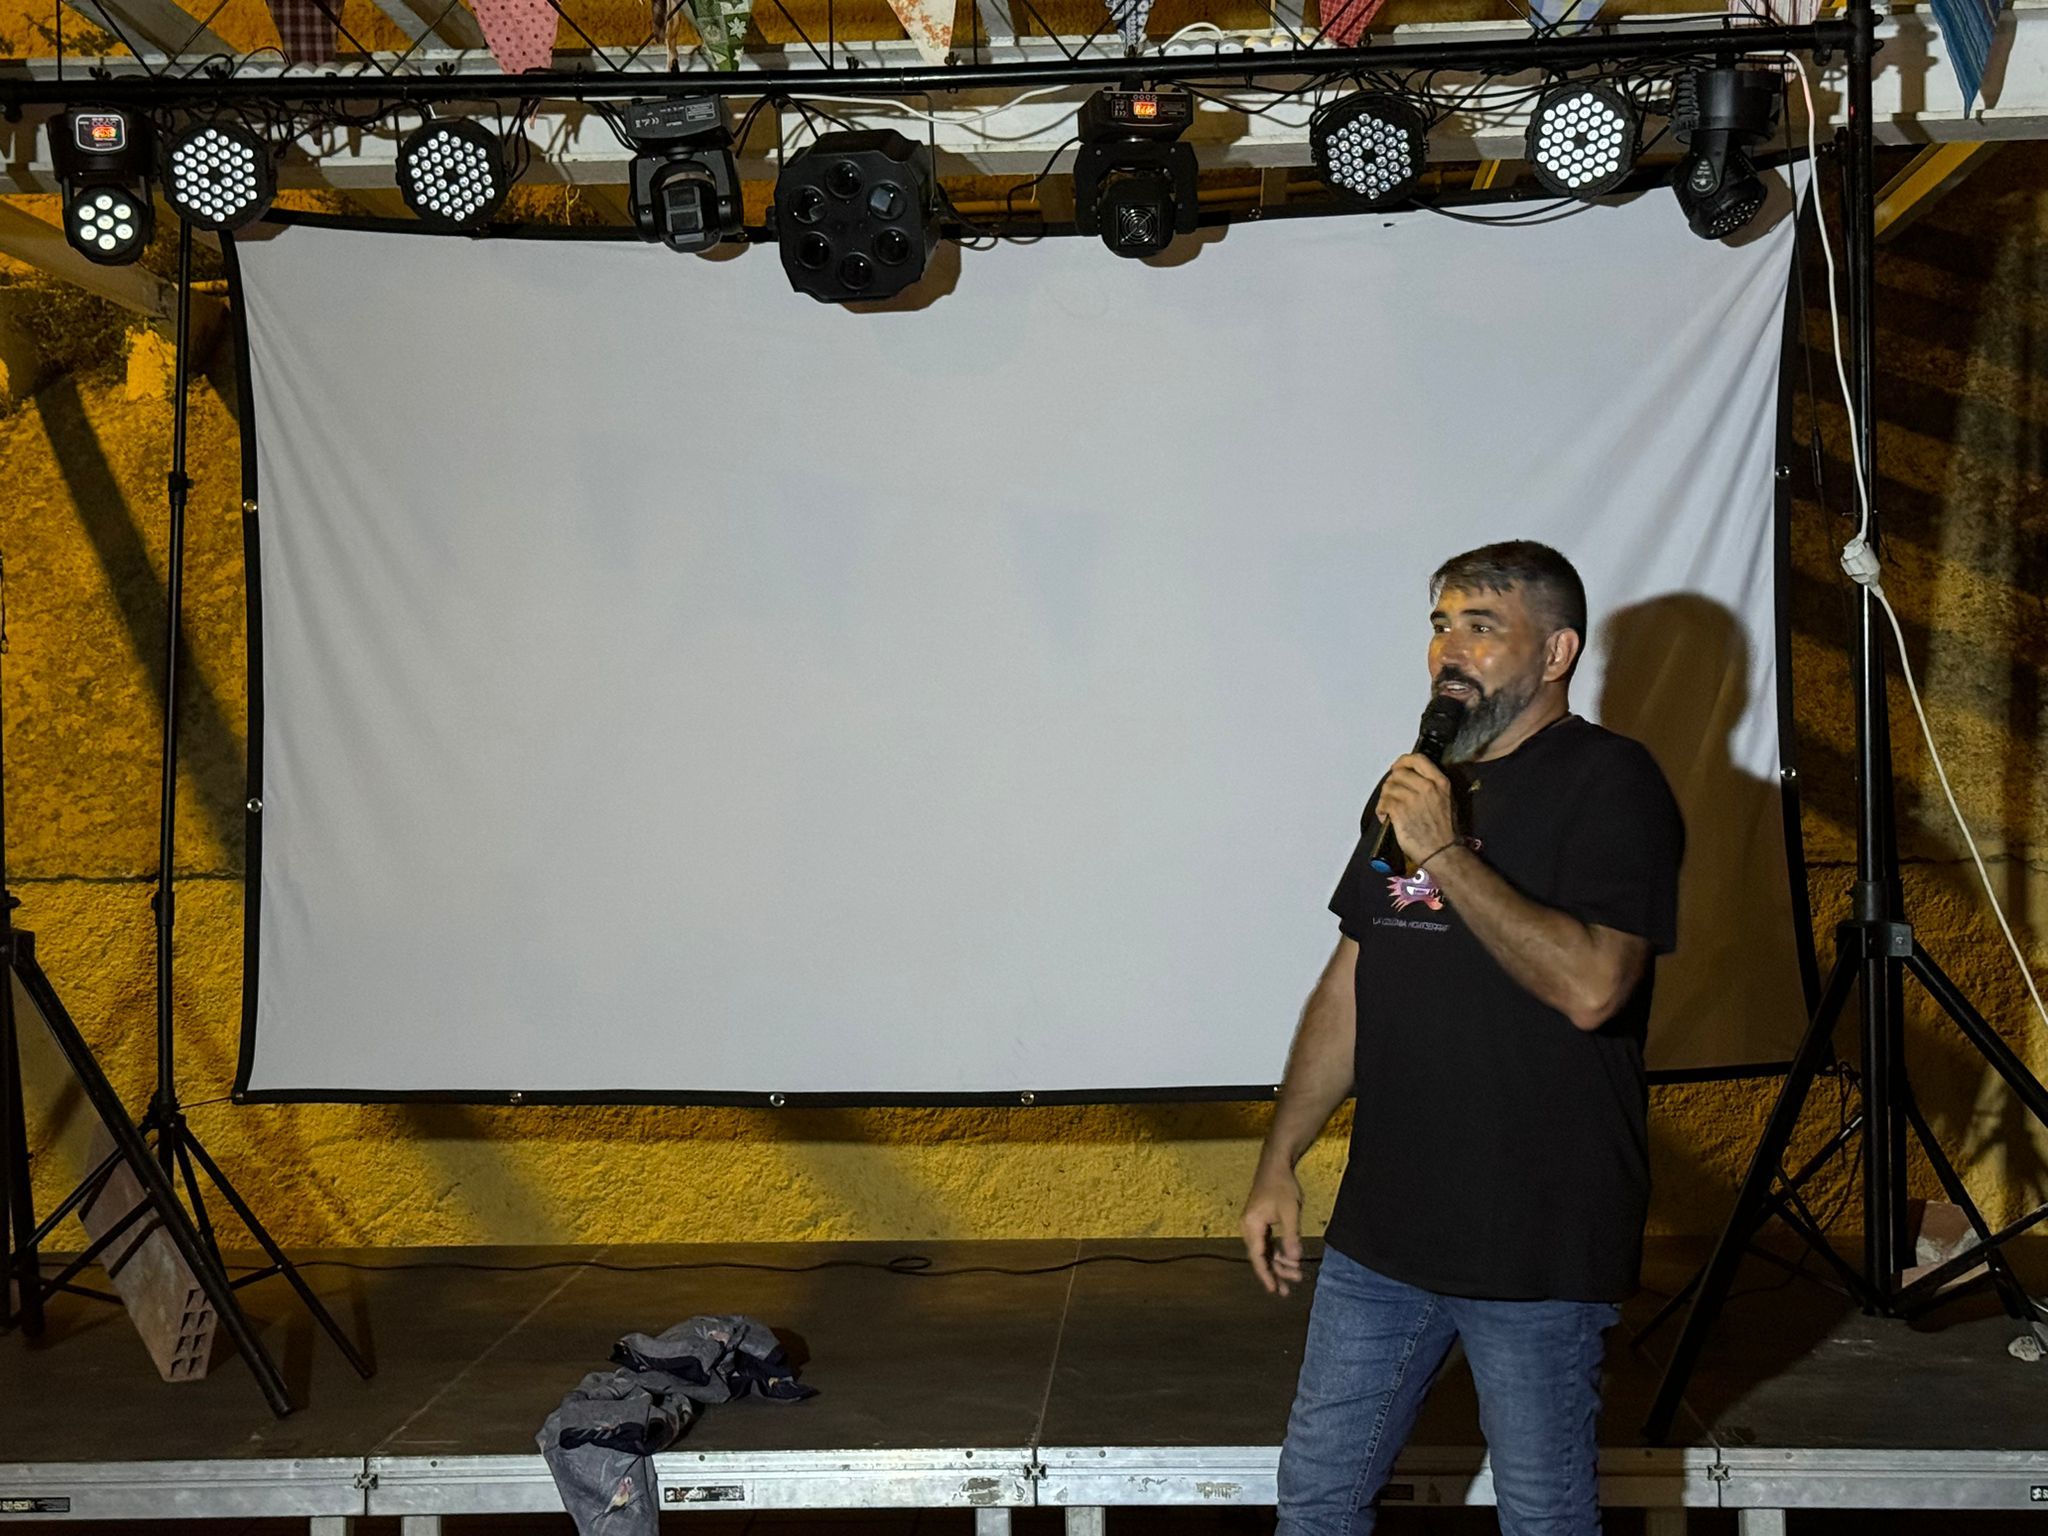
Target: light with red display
{"points": [[106, 132]]}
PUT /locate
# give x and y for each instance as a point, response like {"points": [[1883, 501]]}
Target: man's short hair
{"points": [[1544, 577]]}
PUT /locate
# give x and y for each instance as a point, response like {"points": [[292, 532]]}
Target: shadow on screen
{"points": [[1677, 680]]}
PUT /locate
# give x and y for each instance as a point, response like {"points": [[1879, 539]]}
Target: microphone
{"points": [[1440, 724]]}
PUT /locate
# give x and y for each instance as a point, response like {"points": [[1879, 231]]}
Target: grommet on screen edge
{"points": [[248, 506], [1027, 1098], [255, 806], [776, 1101]]}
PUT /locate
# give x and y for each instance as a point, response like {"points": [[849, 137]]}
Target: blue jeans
{"points": [[1374, 1347]]}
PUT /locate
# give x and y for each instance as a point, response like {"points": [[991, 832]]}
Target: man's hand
{"points": [[1416, 798], [1274, 1205]]}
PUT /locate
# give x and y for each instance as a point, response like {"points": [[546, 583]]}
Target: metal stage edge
{"points": [[1085, 1481]]}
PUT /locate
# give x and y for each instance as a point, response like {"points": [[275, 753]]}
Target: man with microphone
{"points": [[1487, 1005]]}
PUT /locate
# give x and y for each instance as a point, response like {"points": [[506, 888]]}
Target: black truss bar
{"points": [[1529, 54]]}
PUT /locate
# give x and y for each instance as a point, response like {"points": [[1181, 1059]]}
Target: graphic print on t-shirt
{"points": [[1409, 890], [1420, 888]]}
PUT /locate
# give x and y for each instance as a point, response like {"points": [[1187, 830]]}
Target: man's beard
{"points": [[1488, 716]]}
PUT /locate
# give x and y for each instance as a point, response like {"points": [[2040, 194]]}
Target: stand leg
{"points": [[21, 1293], [2010, 1291], [1752, 1201], [285, 1267], [1980, 1034], [1799, 1180], [176, 1140], [163, 1196]]}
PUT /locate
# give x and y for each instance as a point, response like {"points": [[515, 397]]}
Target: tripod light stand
{"points": [[1875, 949], [162, 1150]]}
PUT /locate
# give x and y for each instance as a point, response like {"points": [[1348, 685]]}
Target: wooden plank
{"points": [[133, 287], [1290, 16], [997, 23], [453, 26], [42, 245], [1935, 172], [154, 29]]}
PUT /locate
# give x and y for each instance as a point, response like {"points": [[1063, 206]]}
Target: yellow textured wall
{"points": [[1965, 310]]}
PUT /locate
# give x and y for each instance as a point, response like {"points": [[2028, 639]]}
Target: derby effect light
{"points": [[102, 159], [1370, 146], [218, 176], [452, 173], [853, 215], [1582, 140]]}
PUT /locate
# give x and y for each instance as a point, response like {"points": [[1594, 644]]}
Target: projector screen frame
{"points": [[1806, 954]]}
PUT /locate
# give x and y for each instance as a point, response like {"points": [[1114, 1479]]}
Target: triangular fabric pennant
{"points": [[1345, 21], [723, 26], [1779, 13], [929, 24], [1968, 28], [519, 33], [304, 31], [1562, 15], [1129, 18]]}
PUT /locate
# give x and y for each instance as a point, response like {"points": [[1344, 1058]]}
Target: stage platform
{"points": [[986, 1376]]}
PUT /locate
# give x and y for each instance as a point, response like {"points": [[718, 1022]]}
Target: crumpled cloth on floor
{"points": [[600, 1442], [717, 1359]]}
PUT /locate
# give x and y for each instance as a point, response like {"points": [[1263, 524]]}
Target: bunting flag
{"points": [[1129, 18], [1345, 21], [1562, 15], [1968, 28], [304, 31], [929, 24], [519, 33], [1780, 13], [723, 26]]}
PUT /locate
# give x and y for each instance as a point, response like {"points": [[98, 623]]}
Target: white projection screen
{"points": [[672, 687]]}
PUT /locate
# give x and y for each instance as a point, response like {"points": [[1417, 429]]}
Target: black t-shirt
{"points": [[1499, 1150]]}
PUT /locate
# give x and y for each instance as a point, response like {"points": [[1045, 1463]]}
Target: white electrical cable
{"points": [[969, 119], [941, 118], [1196, 26], [1861, 564]]}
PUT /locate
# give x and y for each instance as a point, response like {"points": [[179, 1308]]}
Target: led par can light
{"points": [[684, 187], [1134, 182], [102, 159], [218, 175], [452, 173], [855, 215], [1582, 140], [1370, 147], [1719, 114]]}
